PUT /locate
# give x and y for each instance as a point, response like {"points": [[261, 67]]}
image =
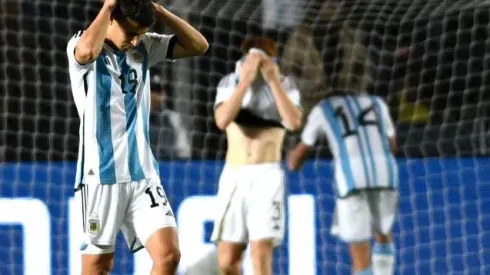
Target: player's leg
{"points": [[383, 204], [383, 257], [101, 213], [261, 256], [353, 220], [230, 257], [163, 248], [97, 260], [360, 254], [265, 216], [230, 232], [150, 221]]}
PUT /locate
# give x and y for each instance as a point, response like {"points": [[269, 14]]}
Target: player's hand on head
{"points": [[250, 67], [269, 70], [111, 4], [156, 5]]}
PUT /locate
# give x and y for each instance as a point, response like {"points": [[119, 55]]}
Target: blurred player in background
{"points": [[254, 105], [361, 137], [117, 181], [169, 137]]}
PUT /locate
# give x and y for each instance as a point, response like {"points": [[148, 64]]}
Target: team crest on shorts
{"points": [[93, 226]]}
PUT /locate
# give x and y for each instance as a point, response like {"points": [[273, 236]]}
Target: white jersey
{"points": [[258, 102], [357, 128], [112, 96]]}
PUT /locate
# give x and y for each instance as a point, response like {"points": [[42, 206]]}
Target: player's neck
{"points": [[112, 45]]}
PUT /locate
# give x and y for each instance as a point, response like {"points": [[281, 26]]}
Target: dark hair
{"points": [[140, 11], [264, 43]]}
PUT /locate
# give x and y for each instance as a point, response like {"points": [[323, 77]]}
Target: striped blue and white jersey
{"points": [[357, 128], [112, 96]]}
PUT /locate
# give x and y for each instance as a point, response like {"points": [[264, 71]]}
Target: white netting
{"points": [[428, 59]]}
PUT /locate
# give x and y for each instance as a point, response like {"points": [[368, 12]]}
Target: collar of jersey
{"points": [[111, 47]]}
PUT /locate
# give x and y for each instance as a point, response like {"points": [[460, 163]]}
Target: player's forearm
{"points": [[297, 156], [188, 37], [289, 113], [228, 110], [90, 44]]}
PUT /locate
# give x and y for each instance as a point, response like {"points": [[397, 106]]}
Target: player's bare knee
{"points": [[97, 265], [229, 263], [261, 257], [360, 253], [167, 260], [261, 249], [229, 257], [229, 267], [227, 260]]}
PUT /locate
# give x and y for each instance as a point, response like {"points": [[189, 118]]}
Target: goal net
{"points": [[428, 60]]}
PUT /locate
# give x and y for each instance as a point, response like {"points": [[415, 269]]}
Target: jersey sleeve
{"points": [[313, 127], [225, 89], [388, 126], [292, 91], [159, 47], [76, 67]]}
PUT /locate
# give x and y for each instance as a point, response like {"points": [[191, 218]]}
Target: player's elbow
{"points": [[294, 121], [222, 118], [294, 125], [199, 47], [85, 55], [202, 46], [221, 122]]}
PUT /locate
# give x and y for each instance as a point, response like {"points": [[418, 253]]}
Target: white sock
{"points": [[366, 271], [383, 258]]}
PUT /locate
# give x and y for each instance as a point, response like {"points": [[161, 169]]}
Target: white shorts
{"points": [[250, 204], [357, 216], [137, 208]]}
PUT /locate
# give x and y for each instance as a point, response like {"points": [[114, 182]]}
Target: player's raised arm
{"points": [[309, 137], [190, 42], [90, 43], [228, 109], [290, 114]]}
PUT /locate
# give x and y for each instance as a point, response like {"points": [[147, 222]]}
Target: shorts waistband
{"points": [[259, 166]]}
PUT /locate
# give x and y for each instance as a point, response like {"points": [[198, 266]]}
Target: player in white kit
{"points": [[117, 181], [361, 136], [254, 105]]}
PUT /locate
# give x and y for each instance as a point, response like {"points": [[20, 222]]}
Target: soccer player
{"points": [[117, 179], [361, 137], [254, 105]]}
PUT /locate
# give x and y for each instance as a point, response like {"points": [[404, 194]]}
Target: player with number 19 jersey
{"points": [[117, 175], [112, 96]]}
